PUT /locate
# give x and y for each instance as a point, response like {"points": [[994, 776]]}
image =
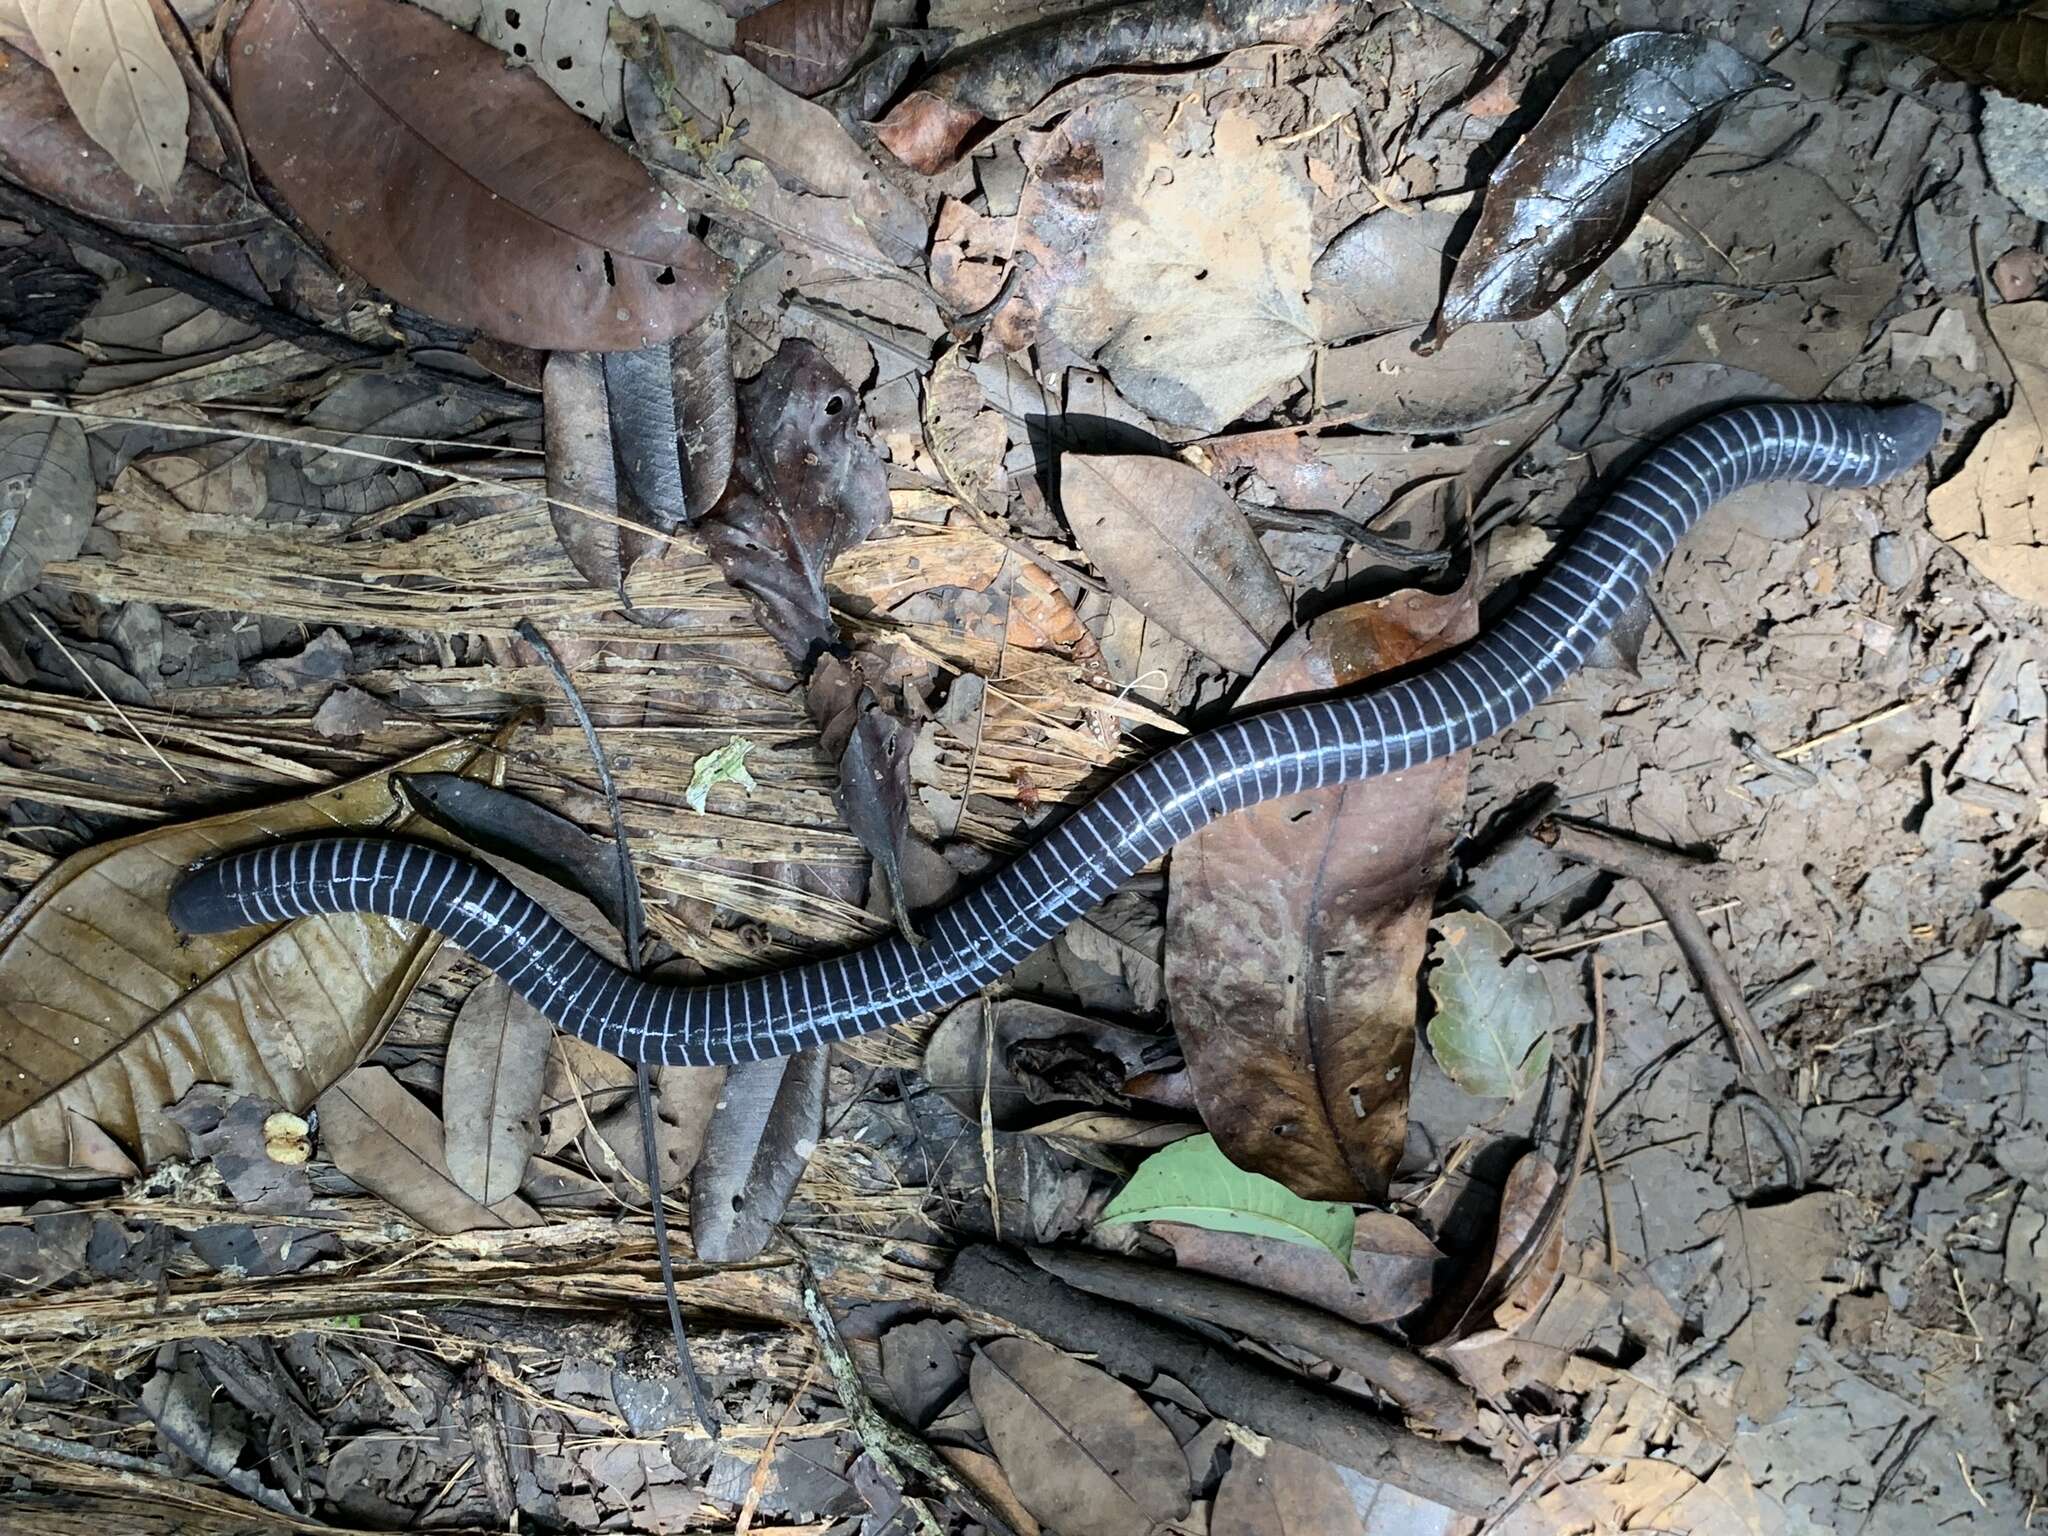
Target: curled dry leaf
{"points": [[490, 1095], [2008, 53], [1491, 1029], [1012, 72], [1081, 1449], [806, 45], [391, 1143], [47, 500], [1285, 1492], [119, 77], [1389, 1275], [707, 409], [1295, 929], [1569, 193], [108, 1011], [762, 1134], [469, 191], [1528, 1243], [1172, 544]]}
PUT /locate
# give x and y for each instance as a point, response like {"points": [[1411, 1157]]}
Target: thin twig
{"points": [[93, 683], [635, 927], [886, 1442]]}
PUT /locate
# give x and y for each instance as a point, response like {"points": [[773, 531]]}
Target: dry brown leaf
{"points": [[1994, 511], [769, 1117], [1641, 1493], [390, 1143], [1392, 1265], [465, 189], [1172, 544], [1084, 1453], [1184, 274], [112, 1013], [46, 496], [1295, 929], [497, 1052], [1529, 1238], [1776, 1257], [118, 76], [1286, 1492], [805, 45]]}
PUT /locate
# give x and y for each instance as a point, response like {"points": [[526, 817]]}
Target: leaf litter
{"points": [[200, 603]]}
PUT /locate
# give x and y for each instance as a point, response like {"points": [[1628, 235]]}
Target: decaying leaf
{"points": [[1388, 1275], [921, 1362], [391, 1143], [490, 1095], [721, 765], [1172, 544], [1193, 1182], [1491, 1029], [1033, 1061], [640, 391], [117, 73], [1183, 274], [805, 488], [1528, 1240], [109, 1011], [462, 188], [1774, 1263], [1285, 1492], [1994, 511], [258, 1150], [766, 1126], [1081, 1449], [806, 45], [1569, 193], [2008, 52], [47, 499], [1295, 929], [1384, 273], [1011, 73]]}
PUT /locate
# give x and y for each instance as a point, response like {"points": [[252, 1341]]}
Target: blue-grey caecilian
{"points": [[1386, 728]]}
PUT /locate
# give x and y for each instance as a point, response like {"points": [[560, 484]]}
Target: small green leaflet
{"points": [[725, 765], [1192, 1181], [1491, 1032]]}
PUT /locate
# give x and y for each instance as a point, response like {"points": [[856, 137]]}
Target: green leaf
{"points": [[725, 765], [1491, 1032], [1192, 1181]]}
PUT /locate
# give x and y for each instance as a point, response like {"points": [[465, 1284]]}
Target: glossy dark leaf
{"points": [[1569, 193], [2009, 53], [513, 827], [768, 1119], [460, 187], [1295, 930], [806, 45], [640, 392], [1012, 72]]}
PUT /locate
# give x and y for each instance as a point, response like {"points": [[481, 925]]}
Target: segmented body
{"points": [[1447, 706]]}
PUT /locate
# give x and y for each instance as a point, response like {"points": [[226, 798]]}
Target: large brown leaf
{"points": [[1295, 930], [1174, 545], [460, 187], [1286, 1492], [1569, 193], [110, 1015], [1084, 1453]]}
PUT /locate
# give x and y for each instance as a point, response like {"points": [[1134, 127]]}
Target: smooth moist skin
{"points": [[1446, 707]]}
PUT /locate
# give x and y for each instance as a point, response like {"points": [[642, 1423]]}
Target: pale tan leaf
{"points": [[1172, 543], [1286, 1492], [490, 1091], [106, 1010], [118, 75], [390, 1143], [1994, 511], [1081, 1449]]}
